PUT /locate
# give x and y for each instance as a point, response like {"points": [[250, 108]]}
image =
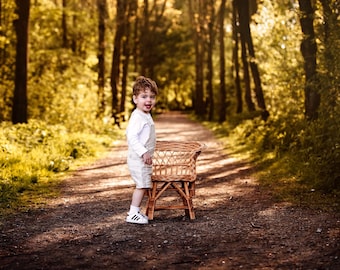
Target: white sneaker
{"points": [[137, 218]]}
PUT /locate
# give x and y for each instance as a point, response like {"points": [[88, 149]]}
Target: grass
{"points": [[35, 158]]}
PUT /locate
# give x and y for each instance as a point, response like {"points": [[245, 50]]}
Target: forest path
{"points": [[237, 224]]}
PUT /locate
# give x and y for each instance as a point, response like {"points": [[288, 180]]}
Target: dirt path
{"points": [[237, 225]]}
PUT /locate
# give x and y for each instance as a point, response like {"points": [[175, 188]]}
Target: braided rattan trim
{"points": [[175, 160]]}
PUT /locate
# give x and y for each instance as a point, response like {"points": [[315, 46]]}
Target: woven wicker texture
{"points": [[174, 168], [175, 160]]}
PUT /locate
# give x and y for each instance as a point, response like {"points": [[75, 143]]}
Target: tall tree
{"points": [[144, 39], [153, 31], [235, 59], [210, 50], [244, 54], [331, 36], [19, 110], [64, 24], [196, 8], [116, 57], [126, 51], [248, 57], [134, 38], [308, 51], [222, 92], [102, 15], [247, 10]]}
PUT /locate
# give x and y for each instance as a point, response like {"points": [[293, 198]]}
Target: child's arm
{"points": [[133, 131]]}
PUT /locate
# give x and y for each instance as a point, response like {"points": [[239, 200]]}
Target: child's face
{"points": [[145, 100]]}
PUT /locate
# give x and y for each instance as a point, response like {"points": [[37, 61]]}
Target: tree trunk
{"points": [[327, 18], [246, 75], [244, 55], [198, 101], [308, 50], [210, 72], [237, 80], [102, 14], [131, 13], [331, 27], [153, 17], [115, 70], [252, 62], [74, 38], [19, 110], [2, 58], [135, 38], [64, 25], [222, 110], [222, 104], [144, 40]]}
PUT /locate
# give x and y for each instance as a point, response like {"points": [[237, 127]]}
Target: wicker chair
{"points": [[174, 168]]}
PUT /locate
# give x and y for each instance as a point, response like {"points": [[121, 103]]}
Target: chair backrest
{"points": [[175, 160]]}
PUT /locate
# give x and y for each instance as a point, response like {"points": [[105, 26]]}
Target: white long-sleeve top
{"points": [[138, 131]]}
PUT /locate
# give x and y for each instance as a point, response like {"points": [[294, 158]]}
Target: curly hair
{"points": [[142, 83]]}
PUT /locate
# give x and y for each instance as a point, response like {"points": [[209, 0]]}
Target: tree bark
{"points": [[102, 14], [255, 71], [330, 39], [249, 56], [222, 110], [237, 80], [210, 66], [135, 39], [144, 40], [116, 57], [308, 51], [196, 6], [19, 110], [244, 54], [131, 13], [64, 25], [150, 55]]}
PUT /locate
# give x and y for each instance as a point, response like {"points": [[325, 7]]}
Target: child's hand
{"points": [[147, 158]]}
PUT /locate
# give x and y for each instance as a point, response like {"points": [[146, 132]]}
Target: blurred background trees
{"points": [[270, 68]]}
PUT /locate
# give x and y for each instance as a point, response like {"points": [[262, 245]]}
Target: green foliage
{"points": [[33, 155], [61, 82], [294, 156], [297, 160], [7, 57], [277, 38], [310, 149]]}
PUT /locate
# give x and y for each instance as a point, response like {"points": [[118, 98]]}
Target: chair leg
{"points": [[184, 189], [148, 193], [150, 210], [187, 200]]}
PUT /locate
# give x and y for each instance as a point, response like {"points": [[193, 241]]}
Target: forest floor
{"points": [[238, 224]]}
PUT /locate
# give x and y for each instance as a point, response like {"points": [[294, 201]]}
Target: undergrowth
{"points": [[298, 161], [35, 156]]}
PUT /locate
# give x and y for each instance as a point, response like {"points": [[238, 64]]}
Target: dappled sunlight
{"points": [[99, 180], [63, 231], [221, 178], [267, 212], [274, 209]]}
